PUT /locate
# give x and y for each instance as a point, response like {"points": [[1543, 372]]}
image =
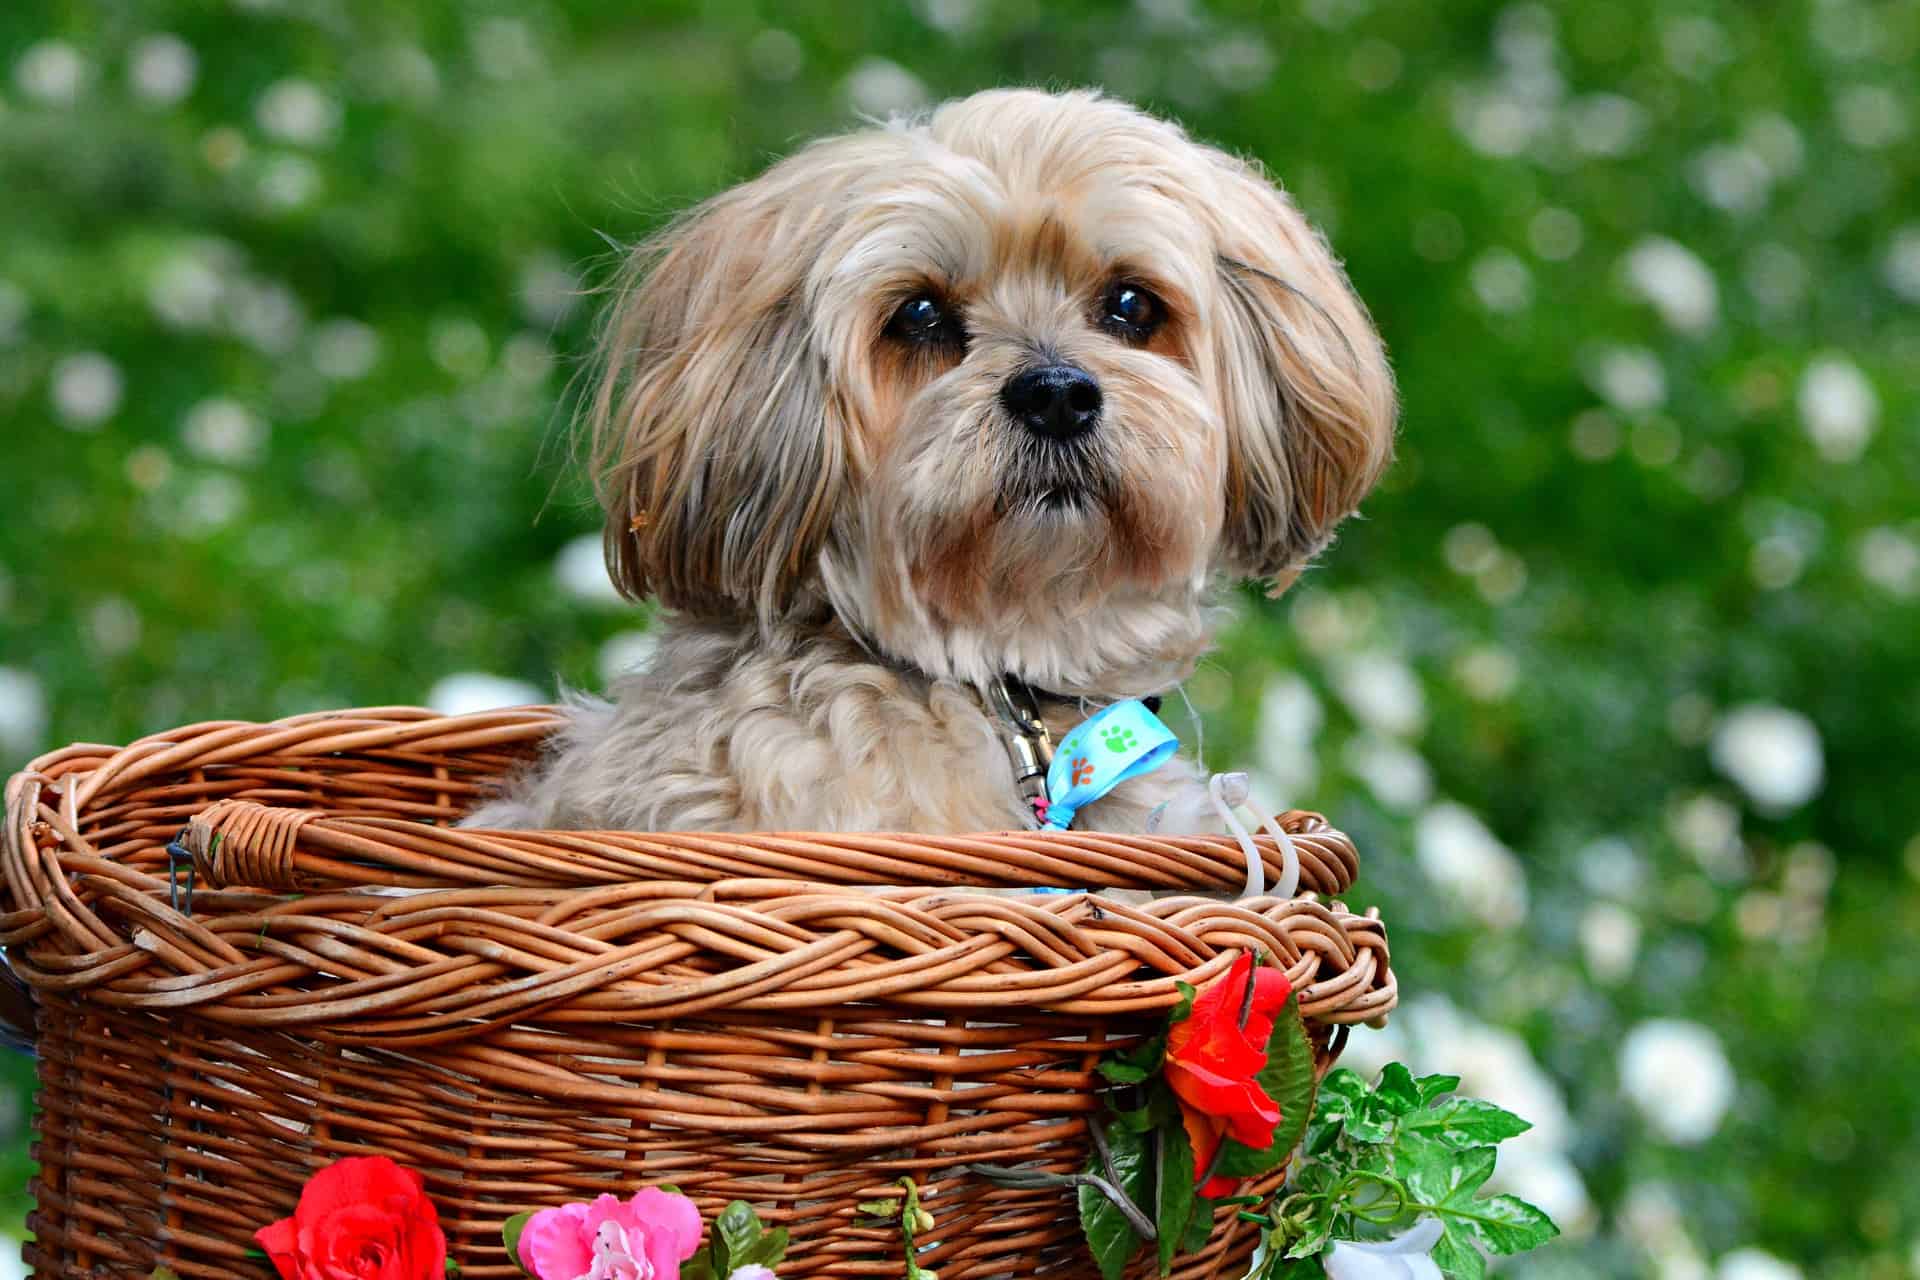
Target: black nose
{"points": [[1058, 401]]}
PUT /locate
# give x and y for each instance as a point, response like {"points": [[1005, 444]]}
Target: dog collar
{"points": [[1121, 741]]}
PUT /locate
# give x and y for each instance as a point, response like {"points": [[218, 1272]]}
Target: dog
{"points": [[938, 429]]}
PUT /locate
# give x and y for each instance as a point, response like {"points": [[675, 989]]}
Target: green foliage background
{"points": [[1611, 524]]}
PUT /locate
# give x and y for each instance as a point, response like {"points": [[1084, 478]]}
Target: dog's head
{"points": [[1005, 388]]}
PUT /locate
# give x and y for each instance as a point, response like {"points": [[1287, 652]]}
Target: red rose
{"points": [[363, 1218], [1213, 1057]]}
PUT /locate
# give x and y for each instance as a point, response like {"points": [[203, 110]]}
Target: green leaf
{"points": [[769, 1249], [880, 1208], [1173, 1195], [1199, 1227], [1139, 1120], [1110, 1237], [1122, 1072], [1371, 1120], [735, 1231], [1288, 1080], [510, 1234], [1397, 1090], [699, 1267], [1506, 1224], [1440, 1176], [1432, 1087], [1467, 1122], [1456, 1257], [163, 1273], [452, 1268], [1183, 1010]]}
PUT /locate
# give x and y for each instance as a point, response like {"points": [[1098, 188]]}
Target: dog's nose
{"points": [[1058, 401]]}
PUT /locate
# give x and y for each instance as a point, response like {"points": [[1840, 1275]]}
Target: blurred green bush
{"points": [[1617, 683]]}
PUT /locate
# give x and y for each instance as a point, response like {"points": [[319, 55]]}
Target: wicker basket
{"points": [[531, 1018]]}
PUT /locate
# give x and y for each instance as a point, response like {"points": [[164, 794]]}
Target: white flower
{"points": [[548, 288], [1501, 281], [1773, 753], [1382, 692], [877, 87], [86, 390], [1396, 774], [1630, 379], [224, 430], [1605, 124], [1671, 277], [1838, 407], [53, 72], [1610, 940], [1870, 116], [1754, 1264], [1901, 266], [1289, 721], [466, 692], [185, 292], [1461, 857], [580, 570], [297, 111], [1402, 1258], [162, 69], [345, 349], [1891, 561], [23, 712], [776, 55], [1676, 1074]]}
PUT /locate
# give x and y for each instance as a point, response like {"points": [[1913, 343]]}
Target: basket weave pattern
{"points": [[535, 1017]]}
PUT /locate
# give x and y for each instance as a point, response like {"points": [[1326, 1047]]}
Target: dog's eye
{"points": [[921, 318], [1131, 312]]}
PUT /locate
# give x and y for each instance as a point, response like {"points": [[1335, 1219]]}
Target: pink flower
{"points": [[645, 1238]]}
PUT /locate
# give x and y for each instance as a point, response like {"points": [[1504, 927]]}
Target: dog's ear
{"points": [[1307, 396], [719, 453]]}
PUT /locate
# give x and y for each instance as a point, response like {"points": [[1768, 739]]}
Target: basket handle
{"points": [[244, 842]]}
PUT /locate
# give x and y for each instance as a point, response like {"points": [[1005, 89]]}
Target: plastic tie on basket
{"points": [[1117, 743], [1226, 793]]}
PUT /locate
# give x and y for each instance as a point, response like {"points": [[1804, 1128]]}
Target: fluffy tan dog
{"points": [[1008, 391]]}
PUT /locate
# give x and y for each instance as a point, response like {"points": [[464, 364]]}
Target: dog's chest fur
{"points": [[726, 731]]}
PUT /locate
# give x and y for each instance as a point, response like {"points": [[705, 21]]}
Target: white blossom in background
{"points": [[504, 49], [162, 69], [52, 72], [580, 571], [297, 111], [87, 388], [1771, 753], [113, 627], [465, 692], [1486, 672], [1609, 941], [1838, 407], [1890, 560], [1382, 692], [223, 430], [776, 55], [460, 346], [1900, 266], [1630, 379], [1397, 775], [266, 314], [212, 503], [1610, 868], [344, 349], [1465, 861], [1290, 719], [1709, 828], [23, 713], [880, 88], [1606, 124], [288, 182], [12, 1267], [1677, 1076], [1501, 281], [1755, 1264], [186, 292], [1651, 1219], [548, 288], [623, 652], [1731, 177], [13, 313], [1870, 116], [1676, 282]]}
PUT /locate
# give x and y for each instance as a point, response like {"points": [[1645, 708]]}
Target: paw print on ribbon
{"points": [[1082, 771], [1118, 738]]}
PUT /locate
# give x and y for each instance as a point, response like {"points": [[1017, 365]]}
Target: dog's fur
{"points": [[850, 533]]}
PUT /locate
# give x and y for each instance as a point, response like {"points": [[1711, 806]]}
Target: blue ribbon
{"points": [[1116, 743]]}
